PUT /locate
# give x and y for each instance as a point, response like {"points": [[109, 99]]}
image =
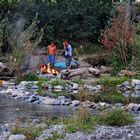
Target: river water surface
{"points": [[11, 109]]}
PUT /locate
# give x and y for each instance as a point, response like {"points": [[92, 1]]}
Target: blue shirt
{"points": [[68, 51]]}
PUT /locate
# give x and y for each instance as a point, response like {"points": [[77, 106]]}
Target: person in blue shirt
{"points": [[68, 53]]}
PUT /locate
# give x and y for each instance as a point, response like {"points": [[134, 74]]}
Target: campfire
{"points": [[46, 69]]}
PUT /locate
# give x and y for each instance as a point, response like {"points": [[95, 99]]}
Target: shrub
{"points": [[82, 120], [30, 132], [110, 97], [29, 77], [111, 82], [116, 117], [57, 82]]}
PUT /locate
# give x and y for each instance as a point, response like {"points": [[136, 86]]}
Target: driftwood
{"points": [[88, 71]]}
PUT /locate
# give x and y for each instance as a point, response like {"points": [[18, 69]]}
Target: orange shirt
{"points": [[51, 50]]}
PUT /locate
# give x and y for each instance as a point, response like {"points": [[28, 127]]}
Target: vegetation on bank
{"points": [[116, 117], [31, 132], [82, 121]]}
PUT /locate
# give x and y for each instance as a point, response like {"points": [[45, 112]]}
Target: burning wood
{"points": [[46, 69]]}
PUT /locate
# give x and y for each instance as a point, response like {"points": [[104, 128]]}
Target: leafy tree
{"points": [[119, 39]]}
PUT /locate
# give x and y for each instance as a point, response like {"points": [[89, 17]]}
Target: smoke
{"points": [[17, 24]]}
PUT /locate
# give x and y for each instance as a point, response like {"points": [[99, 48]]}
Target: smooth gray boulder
{"points": [[17, 137]]}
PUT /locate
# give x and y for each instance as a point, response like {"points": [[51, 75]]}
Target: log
{"points": [[68, 74]]}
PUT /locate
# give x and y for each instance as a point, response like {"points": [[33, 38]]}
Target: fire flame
{"points": [[46, 69]]}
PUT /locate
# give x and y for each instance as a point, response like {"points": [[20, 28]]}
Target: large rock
{"points": [[94, 71], [5, 71], [135, 82], [50, 101], [75, 103], [104, 69], [137, 87], [17, 137], [126, 73]]}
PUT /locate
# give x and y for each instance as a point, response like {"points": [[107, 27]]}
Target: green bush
{"points": [[110, 97], [30, 132], [116, 117], [57, 82], [29, 77], [111, 82]]}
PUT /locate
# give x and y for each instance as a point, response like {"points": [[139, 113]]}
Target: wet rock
{"points": [[76, 136], [32, 98], [130, 107], [49, 101], [61, 97], [126, 83], [130, 136], [62, 102], [58, 87], [118, 104], [74, 86], [137, 87], [104, 69], [17, 137], [135, 82], [5, 71], [75, 103], [87, 104], [67, 103], [56, 102], [34, 87], [99, 87]]}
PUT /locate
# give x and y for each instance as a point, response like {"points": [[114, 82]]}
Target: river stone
{"points": [[99, 87], [102, 104], [130, 107], [126, 83], [118, 104], [67, 103], [34, 87], [49, 101], [17, 137], [135, 82], [75, 103], [74, 86], [75, 136], [32, 99], [62, 102], [59, 87], [137, 87], [61, 97], [56, 102]]}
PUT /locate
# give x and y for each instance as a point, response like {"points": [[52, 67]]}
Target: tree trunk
{"points": [[128, 8]]}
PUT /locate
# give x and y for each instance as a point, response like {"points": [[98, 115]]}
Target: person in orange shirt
{"points": [[51, 54]]}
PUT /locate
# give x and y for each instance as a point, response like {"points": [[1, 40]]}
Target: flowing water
{"points": [[11, 109]]}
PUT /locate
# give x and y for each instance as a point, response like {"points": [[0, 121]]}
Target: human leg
{"points": [[53, 60], [49, 59], [68, 61]]}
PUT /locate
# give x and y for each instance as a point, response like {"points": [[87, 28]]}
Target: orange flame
{"points": [[46, 69]]}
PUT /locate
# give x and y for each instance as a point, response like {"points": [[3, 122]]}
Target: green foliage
{"points": [[136, 51], [56, 136], [111, 82], [57, 82], [116, 117], [116, 64], [29, 77], [81, 121], [30, 132], [110, 97], [61, 18]]}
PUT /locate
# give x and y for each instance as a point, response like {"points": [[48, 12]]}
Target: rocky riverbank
{"points": [[28, 92], [59, 132]]}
